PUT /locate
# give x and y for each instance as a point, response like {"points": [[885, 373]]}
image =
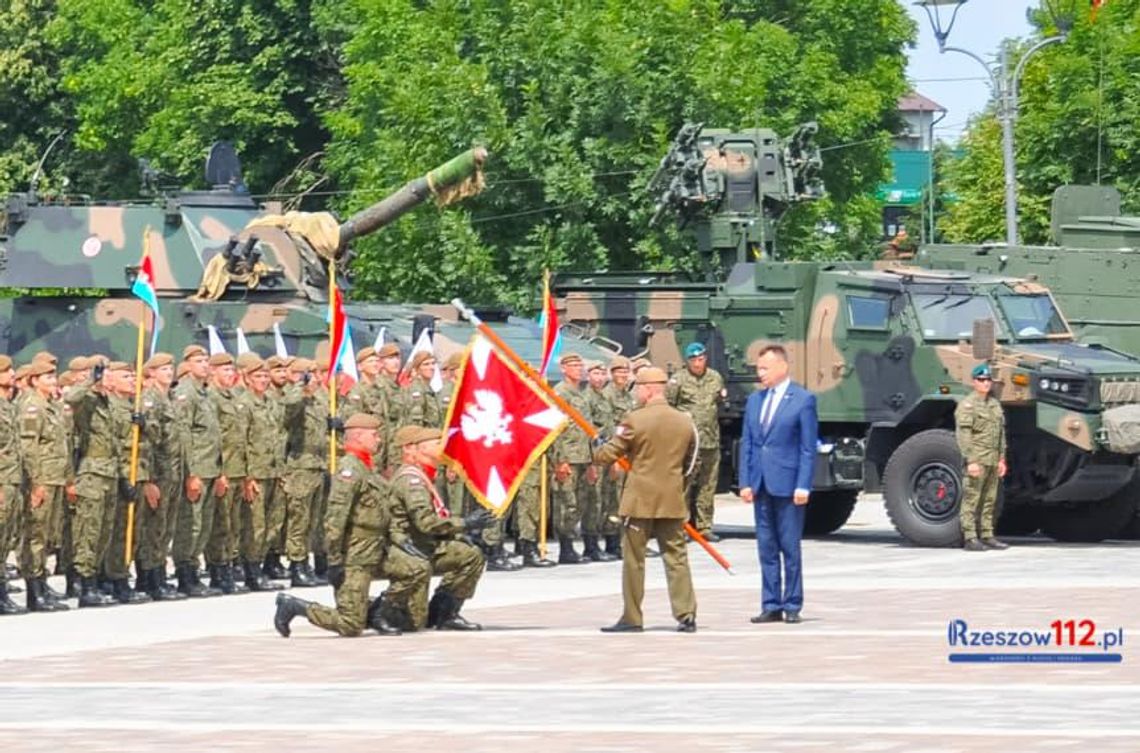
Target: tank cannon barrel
{"points": [[455, 179]]}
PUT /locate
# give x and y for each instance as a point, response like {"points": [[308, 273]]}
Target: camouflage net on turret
{"points": [[216, 278], [320, 229]]}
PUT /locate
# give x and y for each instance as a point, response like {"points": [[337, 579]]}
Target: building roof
{"points": [[915, 102]]}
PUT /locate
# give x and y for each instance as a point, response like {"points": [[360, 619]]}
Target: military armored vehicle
{"points": [[887, 349], [220, 260]]}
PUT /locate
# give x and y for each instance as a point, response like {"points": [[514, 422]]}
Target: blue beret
{"points": [[692, 350], [981, 370]]}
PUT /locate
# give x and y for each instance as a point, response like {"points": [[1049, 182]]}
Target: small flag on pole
{"points": [[338, 325], [242, 344], [381, 338], [423, 345], [279, 342], [143, 289], [551, 334], [216, 344]]}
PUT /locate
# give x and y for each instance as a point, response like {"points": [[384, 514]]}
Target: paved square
{"points": [[867, 670]]}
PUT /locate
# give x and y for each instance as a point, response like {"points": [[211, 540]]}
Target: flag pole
{"points": [[570, 411], [543, 482], [332, 364], [136, 432]]}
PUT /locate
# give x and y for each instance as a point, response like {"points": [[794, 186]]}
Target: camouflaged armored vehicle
{"points": [[220, 260], [888, 350]]}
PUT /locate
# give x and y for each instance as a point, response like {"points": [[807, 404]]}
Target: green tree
{"points": [[1079, 107], [578, 102]]}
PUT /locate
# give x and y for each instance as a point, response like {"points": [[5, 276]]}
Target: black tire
{"points": [[922, 489], [1091, 522], [827, 511]]}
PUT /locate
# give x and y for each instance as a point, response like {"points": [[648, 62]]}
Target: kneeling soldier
{"points": [[423, 527], [355, 531]]}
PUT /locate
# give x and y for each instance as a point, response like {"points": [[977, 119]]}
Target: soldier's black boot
{"points": [[594, 552], [231, 584], [274, 570], [378, 619], [321, 571], [7, 606], [288, 607], [613, 545], [498, 560], [531, 556], [50, 593], [256, 580], [566, 553], [125, 595], [299, 575], [91, 596], [74, 587], [166, 591], [187, 582], [447, 616]]}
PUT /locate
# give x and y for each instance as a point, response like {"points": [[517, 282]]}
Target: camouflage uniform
{"points": [[44, 447], [420, 518], [981, 440], [275, 500], [100, 438], [261, 459], [356, 536], [423, 406], [115, 566], [157, 526], [572, 447], [621, 402], [370, 398], [593, 508], [203, 453], [700, 396], [305, 465], [10, 477], [225, 534], [393, 402]]}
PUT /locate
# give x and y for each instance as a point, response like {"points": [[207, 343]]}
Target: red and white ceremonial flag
{"points": [[498, 425]]}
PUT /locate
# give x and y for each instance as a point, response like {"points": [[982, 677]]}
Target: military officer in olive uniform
{"points": [[356, 538], [698, 391], [570, 458], [233, 421], [10, 477], [275, 495], [307, 449], [981, 439], [423, 527], [198, 417], [658, 440]]}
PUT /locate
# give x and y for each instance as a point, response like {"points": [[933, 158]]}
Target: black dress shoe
{"points": [[774, 615], [792, 618], [992, 543], [622, 627], [973, 545], [687, 625]]}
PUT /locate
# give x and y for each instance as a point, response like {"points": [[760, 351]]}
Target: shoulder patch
{"points": [[413, 481], [30, 409], [346, 473]]}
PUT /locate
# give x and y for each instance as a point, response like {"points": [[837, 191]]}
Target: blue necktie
{"points": [[766, 419]]}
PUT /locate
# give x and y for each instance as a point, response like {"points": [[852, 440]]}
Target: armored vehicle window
{"points": [[950, 316], [865, 312], [1032, 316]]}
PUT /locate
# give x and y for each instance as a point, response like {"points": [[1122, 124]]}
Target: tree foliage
{"points": [[1077, 124], [577, 102]]}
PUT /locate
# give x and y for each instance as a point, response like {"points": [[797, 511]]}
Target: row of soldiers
{"points": [[233, 468]]}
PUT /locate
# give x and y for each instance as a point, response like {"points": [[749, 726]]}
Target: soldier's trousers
{"points": [[15, 531], [98, 496], [10, 517], [593, 505], [317, 517], [37, 528], [700, 488], [192, 530], [254, 530], [351, 612], [461, 566], [409, 578], [613, 481], [275, 504], [151, 531], [671, 544], [56, 516], [115, 565], [220, 542], [302, 488], [978, 502], [568, 496], [454, 494], [528, 507]]}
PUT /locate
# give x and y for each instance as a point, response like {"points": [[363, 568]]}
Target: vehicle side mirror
{"points": [[984, 339]]}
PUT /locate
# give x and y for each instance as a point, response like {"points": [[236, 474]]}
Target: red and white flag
{"points": [[498, 425]]}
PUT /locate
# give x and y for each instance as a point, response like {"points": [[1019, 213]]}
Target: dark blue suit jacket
{"points": [[782, 460]]}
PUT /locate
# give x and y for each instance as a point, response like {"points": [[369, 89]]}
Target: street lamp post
{"points": [[1004, 83]]}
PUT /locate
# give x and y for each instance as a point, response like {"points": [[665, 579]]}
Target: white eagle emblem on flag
{"points": [[484, 420]]}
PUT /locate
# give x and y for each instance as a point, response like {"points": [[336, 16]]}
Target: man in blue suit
{"points": [[777, 458]]}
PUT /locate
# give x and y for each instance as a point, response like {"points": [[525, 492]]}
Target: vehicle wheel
{"points": [[1092, 521], [922, 488], [827, 511]]}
